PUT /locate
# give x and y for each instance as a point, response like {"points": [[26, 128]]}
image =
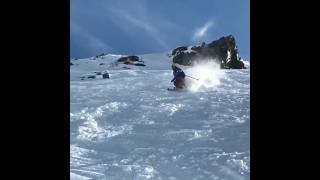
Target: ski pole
{"points": [[193, 78]]}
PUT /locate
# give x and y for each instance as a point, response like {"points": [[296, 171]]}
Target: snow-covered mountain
{"points": [[129, 126]]}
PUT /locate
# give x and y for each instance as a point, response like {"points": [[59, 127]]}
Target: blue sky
{"points": [[148, 26]]}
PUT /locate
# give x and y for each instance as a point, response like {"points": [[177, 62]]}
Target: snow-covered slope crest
{"points": [[88, 67], [155, 61], [108, 62]]}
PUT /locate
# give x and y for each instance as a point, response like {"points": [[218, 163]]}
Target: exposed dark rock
{"points": [[105, 75], [139, 64], [100, 55], [131, 60], [216, 50], [128, 62], [128, 58], [91, 77], [179, 49]]}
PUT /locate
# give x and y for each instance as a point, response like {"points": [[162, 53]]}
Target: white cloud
{"points": [[201, 32]]}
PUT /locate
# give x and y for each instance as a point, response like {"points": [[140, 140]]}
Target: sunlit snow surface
{"points": [[130, 127]]}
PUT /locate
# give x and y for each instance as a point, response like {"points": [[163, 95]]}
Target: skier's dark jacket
{"points": [[177, 73]]}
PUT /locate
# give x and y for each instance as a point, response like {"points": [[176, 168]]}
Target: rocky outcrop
{"points": [[97, 73], [140, 64], [131, 60], [100, 55], [224, 51], [128, 58], [91, 77], [105, 75]]}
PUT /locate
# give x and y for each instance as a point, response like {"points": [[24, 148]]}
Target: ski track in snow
{"points": [[130, 127]]}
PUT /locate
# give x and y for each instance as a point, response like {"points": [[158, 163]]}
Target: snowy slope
{"points": [[85, 66], [130, 127]]}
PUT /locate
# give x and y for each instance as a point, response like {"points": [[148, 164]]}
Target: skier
{"points": [[178, 79]]}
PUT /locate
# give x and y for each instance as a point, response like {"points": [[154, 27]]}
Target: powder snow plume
{"points": [[208, 74]]}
